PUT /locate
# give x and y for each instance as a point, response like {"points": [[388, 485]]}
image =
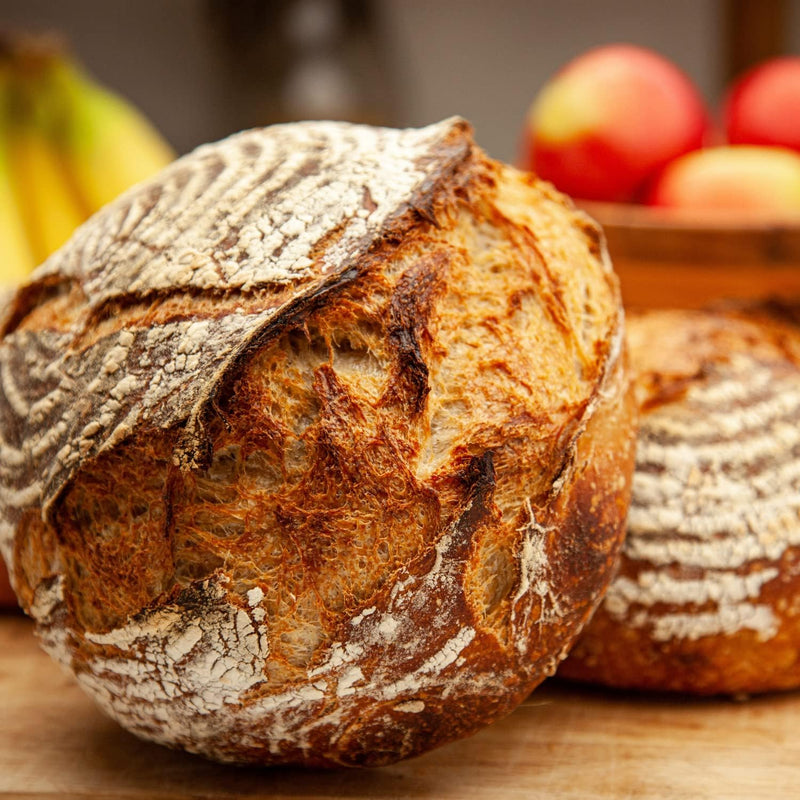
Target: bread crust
{"points": [[707, 599], [332, 495]]}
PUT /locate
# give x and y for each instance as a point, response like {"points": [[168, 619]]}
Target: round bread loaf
{"points": [[707, 599], [317, 447]]}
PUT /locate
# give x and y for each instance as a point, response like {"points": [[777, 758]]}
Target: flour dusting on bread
{"points": [[707, 598], [317, 447]]}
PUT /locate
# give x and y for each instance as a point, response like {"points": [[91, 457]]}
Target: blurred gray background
{"points": [[204, 68]]}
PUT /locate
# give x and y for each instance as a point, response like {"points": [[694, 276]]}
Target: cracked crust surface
{"points": [[317, 448]]}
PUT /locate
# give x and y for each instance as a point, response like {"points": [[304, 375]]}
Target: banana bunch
{"points": [[68, 146]]}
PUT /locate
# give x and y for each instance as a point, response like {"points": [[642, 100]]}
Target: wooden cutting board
{"points": [[563, 742]]}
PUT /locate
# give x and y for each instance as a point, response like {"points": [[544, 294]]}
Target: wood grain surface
{"points": [[563, 742]]}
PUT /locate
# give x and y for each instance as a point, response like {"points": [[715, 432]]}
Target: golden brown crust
{"points": [[707, 598], [405, 494]]}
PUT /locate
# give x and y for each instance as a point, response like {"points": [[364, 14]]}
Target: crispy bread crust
{"points": [[323, 463]]}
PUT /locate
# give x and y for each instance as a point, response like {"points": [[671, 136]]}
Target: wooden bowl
{"points": [[667, 258]]}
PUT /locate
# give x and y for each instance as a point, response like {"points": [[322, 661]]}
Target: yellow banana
{"points": [[49, 204], [108, 144], [67, 147], [16, 256]]}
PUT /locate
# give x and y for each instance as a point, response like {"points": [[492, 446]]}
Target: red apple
{"points": [[763, 106], [748, 178], [611, 119], [7, 597]]}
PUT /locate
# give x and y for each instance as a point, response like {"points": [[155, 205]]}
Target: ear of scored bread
{"points": [[201, 229]]}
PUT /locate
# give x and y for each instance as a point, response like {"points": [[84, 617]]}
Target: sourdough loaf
{"points": [[707, 599], [317, 447]]}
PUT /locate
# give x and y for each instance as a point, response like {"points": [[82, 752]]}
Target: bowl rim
{"points": [[634, 216]]}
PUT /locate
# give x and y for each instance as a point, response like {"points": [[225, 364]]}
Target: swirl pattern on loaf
{"points": [[706, 599]]}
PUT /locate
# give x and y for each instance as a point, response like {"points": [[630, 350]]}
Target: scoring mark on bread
{"points": [[409, 312], [717, 490], [162, 257]]}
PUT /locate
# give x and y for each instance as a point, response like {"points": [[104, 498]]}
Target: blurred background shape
{"points": [[201, 69]]}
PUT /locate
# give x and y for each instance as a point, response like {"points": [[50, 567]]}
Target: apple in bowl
{"points": [[609, 120], [688, 221], [763, 105], [746, 179]]}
